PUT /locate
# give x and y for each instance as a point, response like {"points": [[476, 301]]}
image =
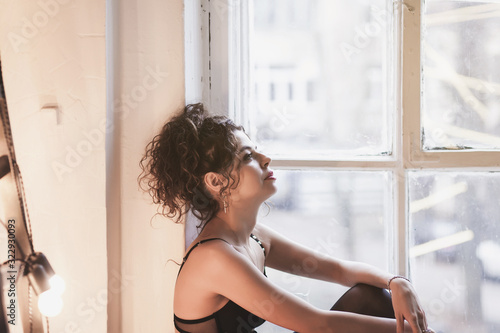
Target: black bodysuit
{"points": [[231, 318]]}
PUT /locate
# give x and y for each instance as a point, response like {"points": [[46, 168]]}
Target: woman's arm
{"points": [[290, 257], [230, 274]]}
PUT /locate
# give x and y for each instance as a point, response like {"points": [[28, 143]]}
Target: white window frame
{"points": [[213, 23]]}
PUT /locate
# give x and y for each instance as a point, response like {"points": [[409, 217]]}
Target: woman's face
{"points": [[256, 180]]}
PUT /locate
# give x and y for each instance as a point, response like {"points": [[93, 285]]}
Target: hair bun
{"points": [[196, 113]]}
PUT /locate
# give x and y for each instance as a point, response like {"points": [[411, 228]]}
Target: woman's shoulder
{"points": [[263, 230], [200, 277], [203, 248], [211, 264]]}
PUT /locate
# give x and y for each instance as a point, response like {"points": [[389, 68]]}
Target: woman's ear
{"points": [[213, 182]]}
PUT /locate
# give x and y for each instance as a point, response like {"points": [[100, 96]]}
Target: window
{"points": [[321, 85], [296, 48], [337, 213], [461, 86]]}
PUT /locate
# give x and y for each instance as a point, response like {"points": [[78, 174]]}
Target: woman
{"points": [[208, 165]]}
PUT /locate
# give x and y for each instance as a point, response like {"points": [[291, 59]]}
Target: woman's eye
{"points": [[248, 157]]}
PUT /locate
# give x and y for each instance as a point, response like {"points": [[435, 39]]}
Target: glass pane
{"points": [[461, 76], [319, 76], [455, 248], [342, 214]]}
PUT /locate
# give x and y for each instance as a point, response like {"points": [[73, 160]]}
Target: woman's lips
{"points": [[270, 175]]}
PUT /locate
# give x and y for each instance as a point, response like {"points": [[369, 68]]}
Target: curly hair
{"points": [[189, 146]]}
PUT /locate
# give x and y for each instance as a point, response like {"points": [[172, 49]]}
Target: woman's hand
{"points": [[407, 307]]}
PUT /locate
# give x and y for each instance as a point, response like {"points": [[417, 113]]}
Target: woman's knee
{"points": [[367, 300]]}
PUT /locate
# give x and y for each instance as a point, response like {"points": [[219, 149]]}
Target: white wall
{"points": [[53, 52], [147, 81], [89, 217]]}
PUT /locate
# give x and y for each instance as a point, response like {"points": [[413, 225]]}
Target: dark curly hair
{"points": [[190, 145]]}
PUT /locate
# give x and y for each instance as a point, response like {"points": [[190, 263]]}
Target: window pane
{"points": [[319, 77], [342, 214], [461, 76], [455, 248]]}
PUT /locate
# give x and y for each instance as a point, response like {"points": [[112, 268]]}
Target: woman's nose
{"points": [[266, 160]]}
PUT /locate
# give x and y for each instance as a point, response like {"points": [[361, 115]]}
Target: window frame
{"points": [[219, 76]]}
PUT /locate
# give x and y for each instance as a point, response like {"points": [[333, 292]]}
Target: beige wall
{"points": [[55, 54], [89, 217], [148, 85]]}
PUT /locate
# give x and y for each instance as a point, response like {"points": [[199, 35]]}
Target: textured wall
{"points": [[115, 71], [53, 53], [146, 86]]}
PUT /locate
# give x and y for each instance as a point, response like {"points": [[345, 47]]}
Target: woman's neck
{"points": [[234, 224]]}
